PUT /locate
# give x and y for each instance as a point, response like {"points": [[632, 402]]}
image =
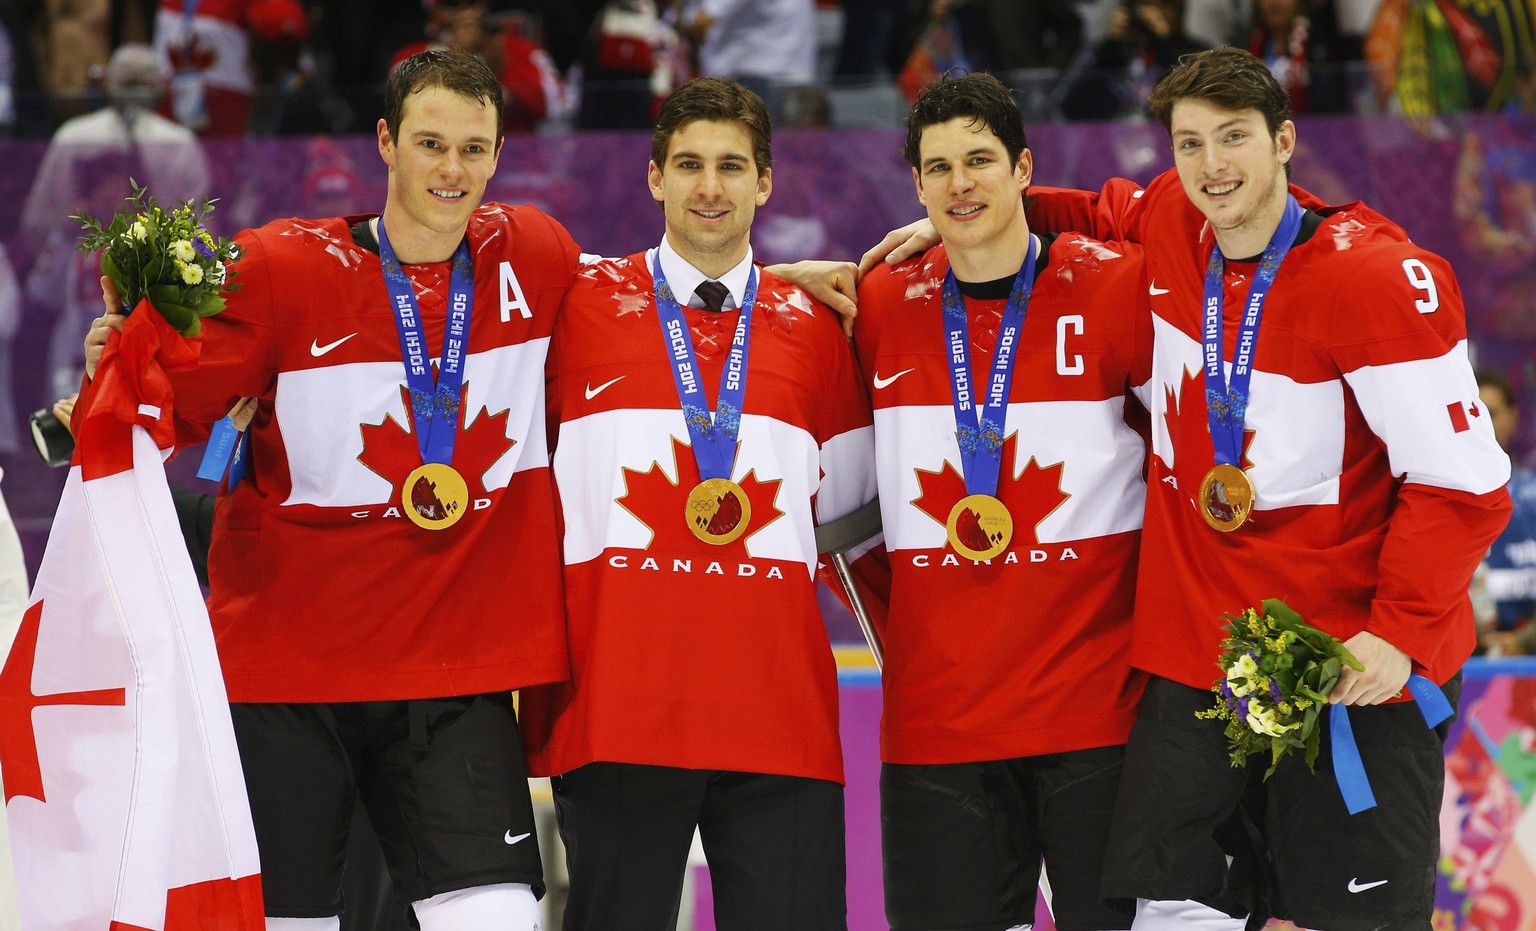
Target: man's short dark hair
{"points": [[1497, 380], [450, 69], [1229, 78], [977, 97], [716, 100]]}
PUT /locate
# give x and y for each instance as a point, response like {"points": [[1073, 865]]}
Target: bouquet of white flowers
{"points": [[164, 256], [1277, 671]]}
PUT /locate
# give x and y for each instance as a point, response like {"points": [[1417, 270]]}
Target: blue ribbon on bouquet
{"points": [[1348, 768]]}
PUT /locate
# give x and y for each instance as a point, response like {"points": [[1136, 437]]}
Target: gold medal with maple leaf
{"points": [[654, 500], [436, 495], [717, 511], [1190, 433], [1036, 493], [1226, 497], [979, 527]]}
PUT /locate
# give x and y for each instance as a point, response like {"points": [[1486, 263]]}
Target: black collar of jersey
{"points": [[1310, 221], [999, 288], [362, 234]]}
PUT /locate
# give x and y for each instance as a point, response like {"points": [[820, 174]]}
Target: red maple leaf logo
{"points": [[658, 503], [391, 452], [18, 741], [1030, 498], [1190, 430]]}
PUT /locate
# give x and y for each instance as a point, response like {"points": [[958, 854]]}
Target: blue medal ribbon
{"points": [[714, 438], [1226, 405], [221, 444], [981, 435], [434, 409], [1348, 768]]}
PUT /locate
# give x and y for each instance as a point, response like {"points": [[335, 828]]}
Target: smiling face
{"points": [[710, 188], [1233, 170], [974, 195], [438, 169]]}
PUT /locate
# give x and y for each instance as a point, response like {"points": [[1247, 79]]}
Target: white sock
{"points": [[304, 924], [1168, 915], [499, 907]]}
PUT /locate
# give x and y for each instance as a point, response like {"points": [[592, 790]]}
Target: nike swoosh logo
{"points": [[1356, 886], [317, 350], [594, 392], [1154, 290], [512, 840], [886, 382]]}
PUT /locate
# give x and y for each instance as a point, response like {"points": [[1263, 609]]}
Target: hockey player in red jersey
{"points": [[1376, 488], [1008, 687], [709, 415], [364, 655]]}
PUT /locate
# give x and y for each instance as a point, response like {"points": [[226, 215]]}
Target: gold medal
{"points": [[1226, 497], [434, 496], [979, 527], [717, 511]]}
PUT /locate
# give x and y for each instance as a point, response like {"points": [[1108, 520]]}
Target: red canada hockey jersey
{"points": [[1028, 653], [321, 589], [684, 653], [1379, 483]]}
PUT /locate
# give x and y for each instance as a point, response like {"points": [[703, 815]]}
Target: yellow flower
{"points": [[182, 249], [192, 274], [138, 230]]}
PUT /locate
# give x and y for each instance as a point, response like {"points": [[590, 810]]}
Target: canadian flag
{"points": [[123, 786], [1458, 413]]}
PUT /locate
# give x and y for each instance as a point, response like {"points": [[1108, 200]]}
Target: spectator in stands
{"points": [[87, 167], [1298, 49], [1005, 36], [1145, 40], [208, 50], [292, 96], [71, 45], [1511, 562], [534, 90], [1214, 23], [623, 59], [768, 45], [877, 37]]}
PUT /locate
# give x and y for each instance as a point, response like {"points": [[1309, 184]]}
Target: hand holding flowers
{"points": [[1278, 671], [165, 256]]}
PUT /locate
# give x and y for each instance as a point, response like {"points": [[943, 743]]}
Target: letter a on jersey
{"points": [[512, 295]]}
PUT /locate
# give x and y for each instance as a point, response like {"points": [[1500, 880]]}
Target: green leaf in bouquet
{"points": [[1277, 751], [1281, 615], [1314, 743], [167, 300], [210, 303]]}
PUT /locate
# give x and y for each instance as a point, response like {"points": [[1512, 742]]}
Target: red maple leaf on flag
{"points": [[1030, 498], [391, 452], [1190, 430], [18, 741], [658, 503]]}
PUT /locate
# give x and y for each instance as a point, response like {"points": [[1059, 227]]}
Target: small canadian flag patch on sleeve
{"points": [[1459, 412]]}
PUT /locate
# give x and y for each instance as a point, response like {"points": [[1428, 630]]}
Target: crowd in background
{"points": [[278, 67]]}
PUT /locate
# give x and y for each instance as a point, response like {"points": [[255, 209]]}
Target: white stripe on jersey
{"points": [[1406, 406], [1103, 479], [849, 481], [590, 484], [320, 412], [1298, 440]]}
